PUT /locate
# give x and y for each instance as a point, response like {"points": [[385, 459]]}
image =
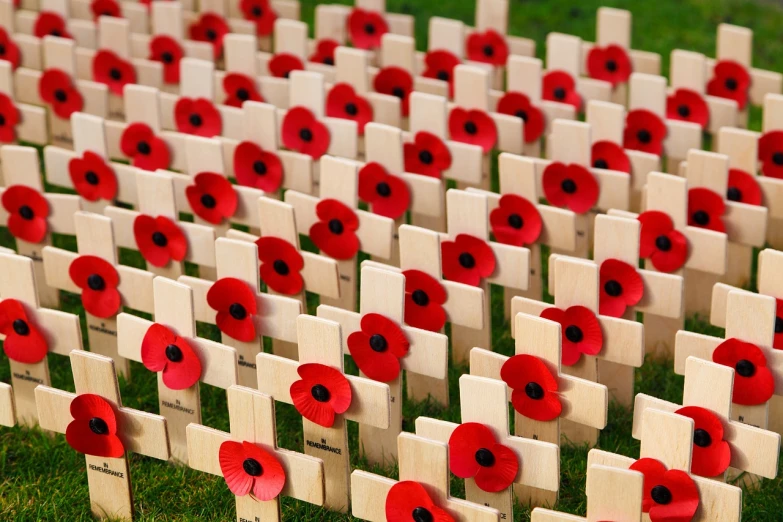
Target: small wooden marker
{"points": [[7, 410], [287, 9], [773, 188], [564, 53]]}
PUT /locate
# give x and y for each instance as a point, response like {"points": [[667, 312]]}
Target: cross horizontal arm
{"points": [[746, 224], [7, 412], [62, 207], [368, 493], [663, 294]]}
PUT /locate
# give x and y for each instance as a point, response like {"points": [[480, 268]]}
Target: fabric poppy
{"points": [[23, 343], [609, 155], [467, 259], [426, 155], [27, 213], [98, 280], [644, 131], [169, 52], [50, 23], [581, 332], [303, 133], [212, 197], [474, 453], [197, 116], [366, 28], [387, 194], [9, 118], [743, 188], [145, 150], [240, 88], [687, 105], [261, 13], [610, 64], [282, 64], [236, 306], [321, 393], [395, 81], [92, 178], [730, 80], [778, 342], [255, 167], [753, 380], [519, 105], [93, 430], [515, 221], [249, 469], [58, 90], [164, 351], [378, 347], [439, 64], [534, 387], [668, 495], [559, 86], [9, 51], [111, 70], [105, 8], [335, 231], [711, 454], [621, 287], [771, 154], [343, 102], [571, 186], [281, 264], [705, 209], [324, 51], [424, 299], [664, 246], [408, 501], [473, 126], [487, 47], [210, 28], [159, 239]]}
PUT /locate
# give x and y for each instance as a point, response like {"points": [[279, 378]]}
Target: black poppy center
{"points": [[421, 514], [488, 51], [534, 391], [644, 136], [378, 343], [778, 325], [443, 75], [777, 158], [661, 495], [351, 109], [2, 50], [237, 311], [684, 111], [320, 393], [471, 127], [98, 426], [26, 212], [211, 34], [306, 135], [21, 327], [734, 194], [369, 28], [195, 120], [281, 267], [91, 177], [522, 115], [243, 94], [560, 93], [115, 74], [257, 11], [467, 260], [731, 84], [425, 157], [399, 92], [328, 60], [383, 189], [259, 167], [336, 226], [167, 57], [60, 95], [568, 186], [574, 334], [55, 32], [485, 458], [96, 282], [701, 218], [208, 201], [173, 353], [2, 120], [143, 148], [613, 288], [611, 65], [663, 243], [516, 221], [252, 467], [745, 368], [160, 239], [420, 297], [600, 164], [701, 438]]}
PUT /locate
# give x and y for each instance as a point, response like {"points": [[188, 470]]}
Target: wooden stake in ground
{"points": [[770, 144]]}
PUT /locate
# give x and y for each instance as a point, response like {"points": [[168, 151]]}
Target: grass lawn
{"points": [[41, 478]]}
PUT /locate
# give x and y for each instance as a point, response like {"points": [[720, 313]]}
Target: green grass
{"points": [[41, 478]]}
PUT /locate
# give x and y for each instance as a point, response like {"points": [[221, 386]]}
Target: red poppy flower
{"points": [[250, 469], [57, 89], [753, 381], [366, 28], [581, 332], [197, 116], [166, 50], [474, 453], [408, 501], [515, 221], [467, 259], [282, 64], [771, 154], [386, 194], [610, 64], [743, 188], [303, 133], [705, 209], [212, 198], [92, 178], [518, 104], [644, 131], [439, 64], [9, 117], [487, 47], [730, 80], [113, 71], [621, 287], [343, 102], [687, 105], [534, 387], [146, 151], [261, 13], [159, 239], [98, 280], [711, 454], [609, 155], [105, 8], [50, 23], [211, 28], [559, 86], [669, 495], [426, 155], [93, 430], [164, 351], [378, 347], [424, 298], [235, 304], [240, 88], [335, 231], [255, 167], [474, 127], [778, 342], [27, 213], [324, 51], [666, 247], [321, 393], [281, 264], [571, 186], [23, 342], [9, 51], [395, 81]]}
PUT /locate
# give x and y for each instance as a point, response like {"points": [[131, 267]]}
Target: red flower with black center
{"points": [[395, 81], [146, 151], [9, 117], [324, 51], [515, 221], [235, 304], [9, 51], [282, 64], [159, 239], [212, 197], [105, 8], [335, 231], [753, 380], [281, 264], [610, 156], [730, 80], [92, 178], [621, 287], [366, 28], [240, 88], [666, 247], [57, 89], [439, 64], [467, 259], [474, 127], [321, 393], [534, 387], [743, 188], [211, 28], [112, 71], [164, 351], [644, 131], [255, 167], [581, 332], [378, 347], [50, 23], [771, 154], [424, 299], [302, 132], [518, 104], [610, 64], [197, 116], [93, 430], [343, 102], [668, 495], [474, 453], [98, 280], [261, 13], [168, 51], [559, 86], [23, 343], [571, 186], [687, 105], [386, 194], [778, 342], [27, 213], [711, 454], [487, 47], [408, 501], [705, 209], [426, 155], [249, 469]]}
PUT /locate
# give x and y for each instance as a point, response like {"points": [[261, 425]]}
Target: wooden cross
{"points": [[32, 125], [287, 9], [7, 410], [491, 14], [137, 15], [82, 31], [320, 342], [290, 38], [564, 52], [139, 432], [29, 45], [773, 120]]}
